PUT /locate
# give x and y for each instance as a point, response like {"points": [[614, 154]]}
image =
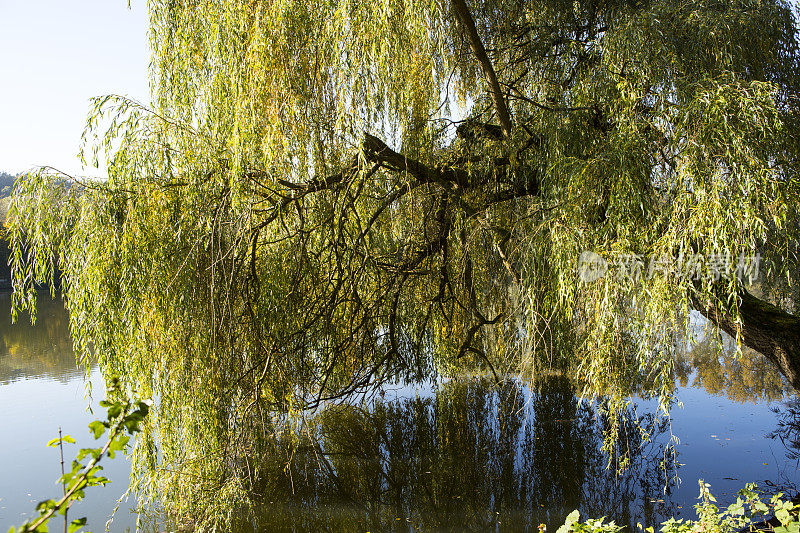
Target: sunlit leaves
{"points": [[53, 443], [124, 419], [748, 511], [249, 256]]}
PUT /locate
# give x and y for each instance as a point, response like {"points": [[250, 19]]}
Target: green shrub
{"points": [[777, 515]]}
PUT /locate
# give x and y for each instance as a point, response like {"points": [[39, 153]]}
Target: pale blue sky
{"points": [[54, 56]]}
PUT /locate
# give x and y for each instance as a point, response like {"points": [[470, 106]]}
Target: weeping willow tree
{"points": [[322, 196]]}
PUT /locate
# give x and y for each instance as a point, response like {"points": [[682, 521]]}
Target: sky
{"points": [[54, 56]]}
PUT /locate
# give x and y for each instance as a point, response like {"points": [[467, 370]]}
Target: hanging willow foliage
{"points": [[325, 195]]}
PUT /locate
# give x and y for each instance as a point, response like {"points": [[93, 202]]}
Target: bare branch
{"points": [[475, 43]]}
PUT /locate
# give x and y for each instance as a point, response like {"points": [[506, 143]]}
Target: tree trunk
{"points": [[765, 328]]}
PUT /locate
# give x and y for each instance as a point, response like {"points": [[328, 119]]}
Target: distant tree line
{"points": [[6, 183], [6, 186]]}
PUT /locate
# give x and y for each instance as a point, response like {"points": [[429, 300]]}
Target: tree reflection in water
{"points": [[41, 350], [470, 457], [741, 377], [788, 428]]}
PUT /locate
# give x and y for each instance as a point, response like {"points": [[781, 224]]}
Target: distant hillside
{"points": [[6, 183]]}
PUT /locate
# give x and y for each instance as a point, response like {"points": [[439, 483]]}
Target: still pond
{"points": [[459, 454]]}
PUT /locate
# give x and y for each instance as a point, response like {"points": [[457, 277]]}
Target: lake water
{"points": [[42, 389], [459, 455]]}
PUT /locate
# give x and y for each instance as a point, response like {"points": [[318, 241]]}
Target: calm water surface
{"points": [[41, 388], [461, 455]]}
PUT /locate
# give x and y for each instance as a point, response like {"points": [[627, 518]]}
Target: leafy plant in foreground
{"points": [[123, 420], [747, 513]]}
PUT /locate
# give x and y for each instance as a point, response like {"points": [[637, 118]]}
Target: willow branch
{"points": [[468, 25], [78, 485]]}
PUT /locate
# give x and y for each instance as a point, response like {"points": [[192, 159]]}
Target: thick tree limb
{"points": [[765, 328], [475, 43], [452, 178], [376, 151]]}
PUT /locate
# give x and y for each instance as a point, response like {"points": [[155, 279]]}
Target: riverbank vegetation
{"points": [[748, 513], [124, 418], [324, 197]]}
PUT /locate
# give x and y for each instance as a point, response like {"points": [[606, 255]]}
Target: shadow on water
{"points": [[468, 457]]}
